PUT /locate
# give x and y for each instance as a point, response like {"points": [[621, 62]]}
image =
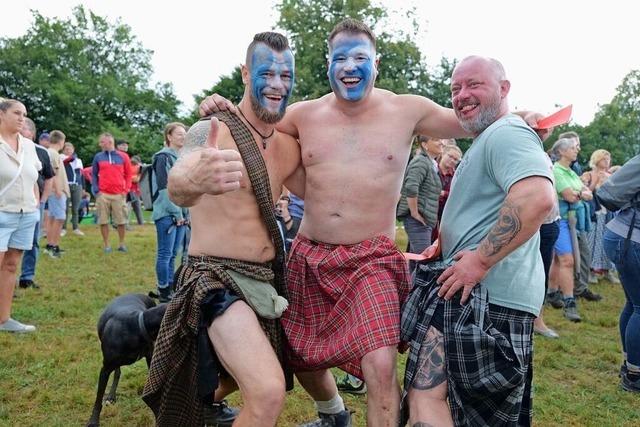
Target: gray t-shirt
{"points": [[506, 152]]}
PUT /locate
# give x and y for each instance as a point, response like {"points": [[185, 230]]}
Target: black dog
{"points": [[127, 329]]}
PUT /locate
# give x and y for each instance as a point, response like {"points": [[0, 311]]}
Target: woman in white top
{"points": [[19, 166]]}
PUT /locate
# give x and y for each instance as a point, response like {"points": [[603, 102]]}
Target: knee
{"points": [[566, 261], [10, 265], [380, 367], [265, 400]]}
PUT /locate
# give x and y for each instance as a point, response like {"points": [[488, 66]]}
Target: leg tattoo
{"points": [[432, 369]]}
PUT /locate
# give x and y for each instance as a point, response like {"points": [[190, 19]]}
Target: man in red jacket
{"points": [[111, 181]]}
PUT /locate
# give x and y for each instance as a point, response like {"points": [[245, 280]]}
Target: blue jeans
{"points": [[419, 236], [30, 257], [628, 266], [170, 239]]}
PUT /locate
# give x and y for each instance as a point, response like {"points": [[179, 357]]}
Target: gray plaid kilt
{"points": [[488, 353]]}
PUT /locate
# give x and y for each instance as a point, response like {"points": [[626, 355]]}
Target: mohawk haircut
{"points": [[352, 26], [273, 40]]}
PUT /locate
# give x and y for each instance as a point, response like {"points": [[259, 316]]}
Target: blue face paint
{"points": [[352, 70], [272, 78]]}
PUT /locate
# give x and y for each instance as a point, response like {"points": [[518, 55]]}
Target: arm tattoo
{"points": [[507, 227], [196, 137], [432, 370]]}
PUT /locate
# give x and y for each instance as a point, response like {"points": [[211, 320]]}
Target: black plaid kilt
{"points": [[488, 353]]}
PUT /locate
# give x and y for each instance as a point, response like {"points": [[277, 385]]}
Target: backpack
{"points": [[148, 194]]}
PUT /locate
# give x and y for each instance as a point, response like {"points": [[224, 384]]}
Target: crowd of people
{"points": [[59, 192], [499, 230]]}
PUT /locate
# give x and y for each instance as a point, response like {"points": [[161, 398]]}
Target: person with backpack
{"points": [[171, 220], [621, 192]]}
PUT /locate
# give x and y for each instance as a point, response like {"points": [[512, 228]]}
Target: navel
{"points": [[390, 157]]}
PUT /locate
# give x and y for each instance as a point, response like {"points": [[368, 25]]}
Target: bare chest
{"points": [[375, 143]]}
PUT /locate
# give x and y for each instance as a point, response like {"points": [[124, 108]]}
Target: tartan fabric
{"points": [[344, 302], [489, 353], [171, 390], [257, 170]]}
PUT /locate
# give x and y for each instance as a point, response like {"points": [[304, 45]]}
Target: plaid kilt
{"points": [[344, 302], [488, 353], [172, 387]]}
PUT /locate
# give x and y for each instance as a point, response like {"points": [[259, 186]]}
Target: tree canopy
{"points": [[615, 127], [84, 76], [307, 24]]}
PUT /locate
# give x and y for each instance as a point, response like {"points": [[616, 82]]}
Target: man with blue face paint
{"points": [[231, 244], [352, 67], [346, 279]]}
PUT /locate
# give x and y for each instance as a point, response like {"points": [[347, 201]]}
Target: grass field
{"points": [[49, 377]]}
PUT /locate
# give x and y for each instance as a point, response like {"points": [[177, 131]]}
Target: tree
{"points": [[616, 126], [231, 87], [84, 76], [308, 23]]}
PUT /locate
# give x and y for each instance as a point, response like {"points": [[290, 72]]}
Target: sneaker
{"points": [[108, 250], [350, 384], [55, 252], [547, 333], [623, 369], [219, 414], [78, 232], [12, 325], [123, 248], [630, 382], [592, 278], [571, 310], [555, 299], [48, 249], [24, 284], [341, 419], [589, 296], [63, 232]]}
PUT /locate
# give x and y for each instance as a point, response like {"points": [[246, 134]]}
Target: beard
{"points": [[265, 115], [487, 115]]}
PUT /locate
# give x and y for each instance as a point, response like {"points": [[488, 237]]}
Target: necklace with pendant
{"points": [[264, 137]]}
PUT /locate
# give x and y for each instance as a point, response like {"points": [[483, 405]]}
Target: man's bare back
{"points": [[230, 225], [354, 158]]}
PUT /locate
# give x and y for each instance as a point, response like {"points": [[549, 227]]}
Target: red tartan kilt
{"points": [[344, 302]]}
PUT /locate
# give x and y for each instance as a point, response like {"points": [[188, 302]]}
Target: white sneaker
{"points": [[63, 232], [78, 232], [12, 325]]}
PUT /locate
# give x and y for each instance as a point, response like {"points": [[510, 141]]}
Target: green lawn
{"points": [[49, 377]]}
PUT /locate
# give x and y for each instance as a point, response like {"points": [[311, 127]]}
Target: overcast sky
{"points": [[554, 51]]}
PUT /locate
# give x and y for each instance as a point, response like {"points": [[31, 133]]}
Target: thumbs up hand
{"points": [[217, 171]]}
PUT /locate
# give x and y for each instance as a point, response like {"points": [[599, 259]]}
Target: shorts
{"points": [[563, 244], [113, 205], [16, 230], [58, 207]]}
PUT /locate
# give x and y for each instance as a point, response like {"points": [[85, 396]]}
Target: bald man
{"points": [[465, 343]]}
